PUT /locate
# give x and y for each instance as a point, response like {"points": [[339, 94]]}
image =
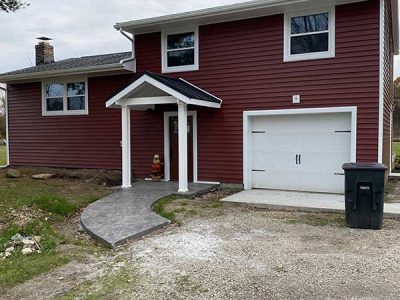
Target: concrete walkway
{"points": [[301, 201], [127, 214]]}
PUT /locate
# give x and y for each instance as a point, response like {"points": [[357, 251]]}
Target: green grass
{"points": [[396, 148], [3, 155], [160, 208], [54, 204], [57, 199], [19, 268]]}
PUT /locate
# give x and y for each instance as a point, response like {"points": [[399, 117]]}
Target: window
{"points": [[65, 97], [310, 35], [180, 51]]}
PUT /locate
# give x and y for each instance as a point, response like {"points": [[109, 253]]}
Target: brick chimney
{"points": [[44, 51]]}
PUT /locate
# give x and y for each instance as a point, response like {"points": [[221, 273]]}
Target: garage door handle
{"points": [[297, 159]]}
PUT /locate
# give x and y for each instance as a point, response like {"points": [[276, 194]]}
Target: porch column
{"points": [[182, 145], [126, 146]]}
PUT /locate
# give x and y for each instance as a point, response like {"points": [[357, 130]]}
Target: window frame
{"points": [[164, 50], [312, 55], [65, 111]]}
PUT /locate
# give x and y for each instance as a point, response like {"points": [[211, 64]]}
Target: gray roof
{"points": [[70, 63]]}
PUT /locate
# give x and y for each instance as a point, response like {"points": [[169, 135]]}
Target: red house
{"points": [[269, 94]]}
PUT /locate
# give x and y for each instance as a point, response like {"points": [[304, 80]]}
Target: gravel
{"points": [[252, 254]]}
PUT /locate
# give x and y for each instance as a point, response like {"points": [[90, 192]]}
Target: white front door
{"points": [[300, 152]]}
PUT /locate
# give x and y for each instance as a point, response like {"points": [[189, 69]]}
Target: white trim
{"points": [[149, 100], [167, 167], [118, 99], [232, 12], [287, 57], [126, 147], [182, 148], [246, 132], [29, 77], [209, 182], [164, 36], [65, 112], [394, 174], [381, 77]]}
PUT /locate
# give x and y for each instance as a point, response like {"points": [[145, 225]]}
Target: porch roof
{"points": [[151, 88]]}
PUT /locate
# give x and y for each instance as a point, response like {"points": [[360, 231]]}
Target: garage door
{"points": [[300, 152]]}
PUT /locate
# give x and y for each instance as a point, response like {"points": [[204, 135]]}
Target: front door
{"points": [[174, 151]]}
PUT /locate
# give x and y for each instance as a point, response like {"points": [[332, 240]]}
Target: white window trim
{"points": [[164, 35], [315, 55], [65, 112]]}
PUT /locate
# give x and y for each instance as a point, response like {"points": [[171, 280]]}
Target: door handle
{"points": [[297, 159]]}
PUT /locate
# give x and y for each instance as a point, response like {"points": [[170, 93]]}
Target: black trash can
{"points": [[364, 194]]}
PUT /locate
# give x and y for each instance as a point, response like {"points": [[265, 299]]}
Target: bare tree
{"points": [[12, 5]]}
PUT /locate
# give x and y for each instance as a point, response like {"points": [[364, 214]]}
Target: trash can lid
{"points": [[365, 166]]}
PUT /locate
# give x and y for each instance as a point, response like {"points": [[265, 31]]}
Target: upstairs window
{"points": [[65, 98], [179, 51], [310, 35]]}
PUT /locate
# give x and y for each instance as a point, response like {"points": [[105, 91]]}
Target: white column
{"points": [[126, 146], [182, 145]]}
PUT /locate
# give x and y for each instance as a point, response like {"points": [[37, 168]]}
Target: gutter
{"points": [[129, 63], [63, 72]]}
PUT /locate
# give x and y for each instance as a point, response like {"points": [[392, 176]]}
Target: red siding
{"points": [[90, 141], [240, 62], [388, 89]]}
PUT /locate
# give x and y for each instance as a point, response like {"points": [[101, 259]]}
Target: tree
{"points": [[12, 5]]}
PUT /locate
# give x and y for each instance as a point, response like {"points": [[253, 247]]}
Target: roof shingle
{"points": [[70, 63]]}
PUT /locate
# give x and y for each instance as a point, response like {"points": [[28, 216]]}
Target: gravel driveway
{"points": [[250, 254]]}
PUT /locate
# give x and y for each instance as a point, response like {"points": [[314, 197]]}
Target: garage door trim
{"points": [[247, 115]]}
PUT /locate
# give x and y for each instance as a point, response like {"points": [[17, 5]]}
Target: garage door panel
{"points": [[322, 140]]}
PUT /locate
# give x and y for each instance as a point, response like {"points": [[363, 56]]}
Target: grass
{"points": [[111, 286], [160, 208], [3, 155], [314, 219], [19, 268], [396, 148], [49, 204]]}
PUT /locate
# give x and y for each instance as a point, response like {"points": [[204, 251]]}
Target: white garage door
{"points": [[300, 152]]}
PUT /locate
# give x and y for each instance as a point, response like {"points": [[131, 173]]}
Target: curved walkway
{"points": [[128, 214]]}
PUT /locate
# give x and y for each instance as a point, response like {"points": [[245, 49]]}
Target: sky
{"points": [[82, 27]]}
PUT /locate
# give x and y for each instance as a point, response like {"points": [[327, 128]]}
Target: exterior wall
{"points": [[388, 89], [242, 63], [91, 141]]}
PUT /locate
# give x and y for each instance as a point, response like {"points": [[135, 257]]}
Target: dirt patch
{"points": [[252, 254], [222, 251], [393, 191], [101, 177]]}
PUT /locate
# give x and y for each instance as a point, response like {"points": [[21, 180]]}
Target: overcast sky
{"points": [[82, 27]]}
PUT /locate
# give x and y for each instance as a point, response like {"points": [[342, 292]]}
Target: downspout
{"points": [[6, 117], [129, 63]]}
